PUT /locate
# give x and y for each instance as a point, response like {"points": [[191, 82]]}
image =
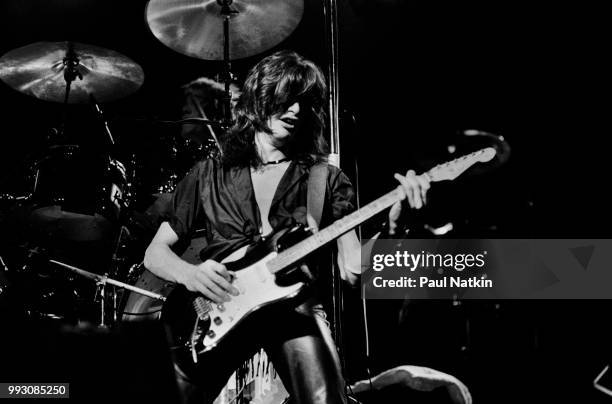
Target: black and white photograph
{"points": [[305, 202]]}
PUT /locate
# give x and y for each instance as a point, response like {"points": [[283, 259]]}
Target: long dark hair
{"points": [[272, 85]]}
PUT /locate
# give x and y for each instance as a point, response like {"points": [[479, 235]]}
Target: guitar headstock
{"points": [[454, 168]]}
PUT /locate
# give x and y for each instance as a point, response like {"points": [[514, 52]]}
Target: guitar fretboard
{"points": [[445, 171], [298, 251]]}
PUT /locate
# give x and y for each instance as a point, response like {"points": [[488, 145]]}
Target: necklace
{"points": [[269, 163]]}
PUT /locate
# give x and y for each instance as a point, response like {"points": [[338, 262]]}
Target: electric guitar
{"points": [[197, 325]]}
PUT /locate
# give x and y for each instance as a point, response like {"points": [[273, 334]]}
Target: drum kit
{"points": [[80, 202]]}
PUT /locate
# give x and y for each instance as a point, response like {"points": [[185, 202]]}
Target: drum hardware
{"points": [[224, 30], [200, 109], [71, 73], [44, 295], [34, 256], [48, 71], [100, 114], [227, 12], [65, 185], [116, 194], [3, 270], [106, 280], [7, 197], [3, 265], [79, 195], [77, 198], [119, 261], [52, 293], [179, 153], [184, 121], [195, 28], [206, 92], [102, 281]]}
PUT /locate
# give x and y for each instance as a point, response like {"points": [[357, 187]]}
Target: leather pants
{"points": [[300, 345]]}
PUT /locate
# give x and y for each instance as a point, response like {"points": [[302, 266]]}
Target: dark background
{"points": [[413, 74]]}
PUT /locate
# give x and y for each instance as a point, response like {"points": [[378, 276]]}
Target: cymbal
{"points": [[195, 27], [38, 70]]}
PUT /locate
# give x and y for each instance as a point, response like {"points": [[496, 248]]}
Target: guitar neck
{"points": [[298, 251], [441, 172]]}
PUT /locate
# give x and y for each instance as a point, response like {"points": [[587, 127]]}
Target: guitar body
{"points": [[196, 325]]}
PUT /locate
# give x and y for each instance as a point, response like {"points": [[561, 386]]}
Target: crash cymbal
{"points": [[195, 27], [38, 70]]}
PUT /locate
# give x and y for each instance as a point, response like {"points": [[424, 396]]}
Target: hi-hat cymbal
{"points": [[195, 27], [38, 70]]}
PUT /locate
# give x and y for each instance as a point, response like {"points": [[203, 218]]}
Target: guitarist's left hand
{"points": [[414, 188]]}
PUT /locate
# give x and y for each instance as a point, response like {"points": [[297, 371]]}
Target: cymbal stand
{"points": [[106, 279], [117, 198], [3, 266], [209, 127], [101, 282], [116, 262], [101, 292], [71, 62], [226, 12], [100, 115]]}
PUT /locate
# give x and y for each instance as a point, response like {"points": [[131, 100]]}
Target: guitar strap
{"points": [[317, 183]]}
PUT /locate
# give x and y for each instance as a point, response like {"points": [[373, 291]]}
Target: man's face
{"points": [[285, 124]]}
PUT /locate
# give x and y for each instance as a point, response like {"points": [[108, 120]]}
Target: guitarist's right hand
{"points": [[211, 279]]}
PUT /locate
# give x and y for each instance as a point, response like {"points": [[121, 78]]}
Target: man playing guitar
{"points": [[258, 185]]}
